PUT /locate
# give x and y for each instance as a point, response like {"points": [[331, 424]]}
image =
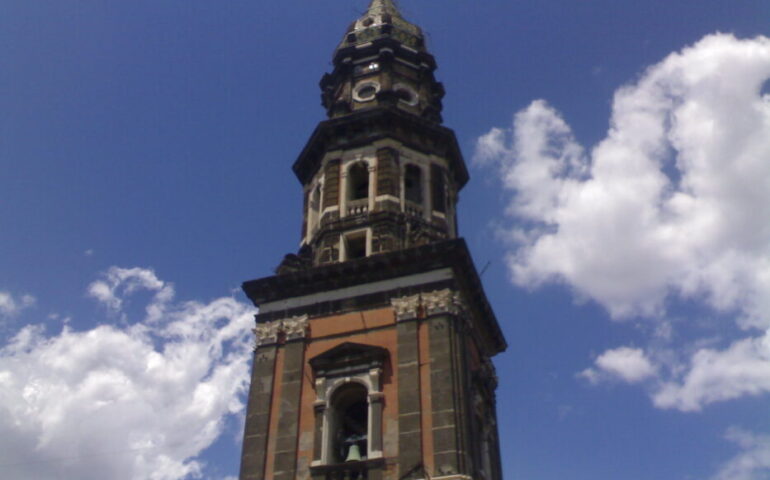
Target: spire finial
{"points": [[378, 7]]}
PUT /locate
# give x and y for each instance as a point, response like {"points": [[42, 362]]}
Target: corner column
{"points": [[260, 394], [409, 414], [294, 330], [443, 309]]}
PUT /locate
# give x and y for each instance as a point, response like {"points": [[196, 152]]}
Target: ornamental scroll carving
{"points": [[431, 303], [292, 327]]}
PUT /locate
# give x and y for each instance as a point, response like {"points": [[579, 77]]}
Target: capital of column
{"points": [[406, 308], [442, 301], [269, 333]]}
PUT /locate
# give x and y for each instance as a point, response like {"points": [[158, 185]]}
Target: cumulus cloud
{"points": [[141, 401], [673, 203], [10, 306], [624, 363], [676, 198], [753, 463]]}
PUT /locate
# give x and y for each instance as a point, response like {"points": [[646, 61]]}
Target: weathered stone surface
{"points": [[257, 419]]}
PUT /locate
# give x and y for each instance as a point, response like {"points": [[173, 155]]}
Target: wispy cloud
{"points": [[11, 306], [752, 463]]}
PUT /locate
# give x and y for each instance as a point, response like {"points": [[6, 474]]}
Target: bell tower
{"points": [[374, 340]]}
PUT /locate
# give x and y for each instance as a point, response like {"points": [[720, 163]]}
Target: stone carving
{"points": [[431, 303], [406, 307], [269, 333], [295, 327], [442, 301]]}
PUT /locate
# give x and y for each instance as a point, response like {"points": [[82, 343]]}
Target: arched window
{"points": [[413, 184], [358, 181], [350, 423], [439, 188], [348, 410]]}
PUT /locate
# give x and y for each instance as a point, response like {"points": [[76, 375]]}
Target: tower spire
{"points": [[379, 7]]}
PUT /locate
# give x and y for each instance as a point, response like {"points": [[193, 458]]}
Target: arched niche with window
{"points": [[413, 184], [438, 190], [348, 405], [358, 182]]}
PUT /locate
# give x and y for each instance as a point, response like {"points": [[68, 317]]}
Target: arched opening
{"points": [[439, 193], [350, 429], [358, 182], [413, 184]]}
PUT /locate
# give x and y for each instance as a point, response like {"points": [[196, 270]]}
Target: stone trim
{"points": [[437, 302], [269, 333], [406, 308]]}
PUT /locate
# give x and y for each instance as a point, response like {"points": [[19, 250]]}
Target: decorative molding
{"points": [[431, 303], [407, 307], [269, 333], [442, 301], [295, 327]]}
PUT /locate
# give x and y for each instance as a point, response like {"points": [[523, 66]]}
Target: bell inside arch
{"points": [[354, 453]]}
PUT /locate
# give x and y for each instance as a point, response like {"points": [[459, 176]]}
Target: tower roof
{"points": [[383, 19]]}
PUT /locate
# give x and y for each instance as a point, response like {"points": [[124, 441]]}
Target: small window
{"points": [[413, 184], [439, 188], [350, 418], [355, 246], [358, 182]]}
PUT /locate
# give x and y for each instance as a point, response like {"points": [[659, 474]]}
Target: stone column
{"points": [[409, 413], [285, 465], [442, 309], [260, 395]]}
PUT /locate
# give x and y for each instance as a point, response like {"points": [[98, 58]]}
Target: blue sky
{"points": [[618, 154]]}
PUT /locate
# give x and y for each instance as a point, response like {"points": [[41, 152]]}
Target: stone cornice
{"points": [[451, 254], [367, 126]]}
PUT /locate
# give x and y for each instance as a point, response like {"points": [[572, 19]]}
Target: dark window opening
{"points": [[351, 424], [439, 188], [404, 95], [355, 247], [358, 181], [413, 184]]}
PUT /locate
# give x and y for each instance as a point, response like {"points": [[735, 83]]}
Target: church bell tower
{"points": [[374, 341]]}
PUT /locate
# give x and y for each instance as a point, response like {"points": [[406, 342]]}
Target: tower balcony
{"points": [[357, 207]]}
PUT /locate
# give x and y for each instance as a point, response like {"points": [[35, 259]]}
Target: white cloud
{"points": [[10, 306], [676, 198], [628, 364], [717, 375], [673, 203], [138, 402], [753, 463], [118, 282]]}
